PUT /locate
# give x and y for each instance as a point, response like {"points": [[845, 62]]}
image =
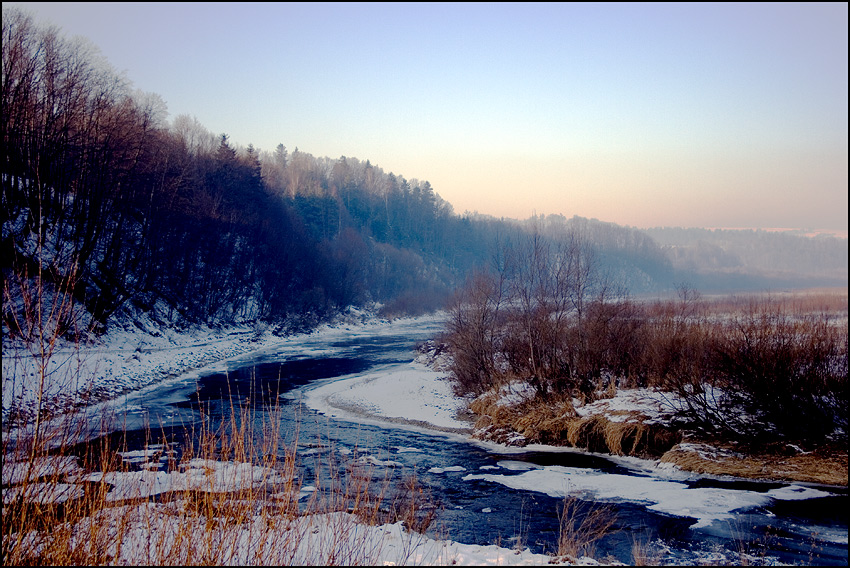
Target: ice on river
{"points": [[705, 504], [418, 395], [411, 393]]}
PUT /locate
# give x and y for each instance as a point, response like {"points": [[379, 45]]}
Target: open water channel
{"points": [[486, 495]]}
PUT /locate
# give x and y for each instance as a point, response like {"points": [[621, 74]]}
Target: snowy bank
{"points": [[136, 356], [411, 395]]}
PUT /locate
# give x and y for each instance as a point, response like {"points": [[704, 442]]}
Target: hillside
{"points": [[109, 210]]}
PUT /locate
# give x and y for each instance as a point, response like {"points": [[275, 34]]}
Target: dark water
{"points": [[477, 511]]}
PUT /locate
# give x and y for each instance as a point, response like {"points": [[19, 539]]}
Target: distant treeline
{"points": [[105, 201], [733, 259]]}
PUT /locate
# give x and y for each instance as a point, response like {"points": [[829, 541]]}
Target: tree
{"points": [[473, 332]]}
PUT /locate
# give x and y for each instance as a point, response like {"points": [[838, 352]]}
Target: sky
{"points": [[646, 115]]}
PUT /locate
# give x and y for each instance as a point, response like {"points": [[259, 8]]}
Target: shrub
{"points": [[747, 368], [788, 371]]}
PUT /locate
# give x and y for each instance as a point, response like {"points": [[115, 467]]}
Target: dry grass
{"points": [[800, 302], [530, 421], [581, 525], [826, 465], [768, 366], [555, 422], [632, 438], [229, 521], [775, 368], [645, 554], [233, 498]]}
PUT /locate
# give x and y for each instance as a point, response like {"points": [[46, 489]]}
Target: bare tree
{"points": [[473, 330]]}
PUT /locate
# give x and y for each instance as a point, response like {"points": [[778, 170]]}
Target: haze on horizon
{"points": [[693, 115]]}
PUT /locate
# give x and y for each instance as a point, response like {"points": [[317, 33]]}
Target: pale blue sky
{"points": [[709, 115]]}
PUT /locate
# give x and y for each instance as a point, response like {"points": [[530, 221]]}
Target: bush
{"points": [[473, 332], [790, 372], [755, 369], [760, 371]]}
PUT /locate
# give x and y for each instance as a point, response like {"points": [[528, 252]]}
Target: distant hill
{"points": [[726, 259]]}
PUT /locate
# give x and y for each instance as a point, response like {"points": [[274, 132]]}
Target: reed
{"points": [[233, 496], [581, 525], [645, 554]]}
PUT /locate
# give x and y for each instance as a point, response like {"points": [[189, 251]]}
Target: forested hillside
{"points": [[111, 208], [105, 201]]}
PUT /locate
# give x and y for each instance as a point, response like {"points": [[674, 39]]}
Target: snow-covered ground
{"points": [[315, 540], [136, 356], [409, 395], [149, 529], [414, 395], [128, 360]]}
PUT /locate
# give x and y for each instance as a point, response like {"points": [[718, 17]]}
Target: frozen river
{"points": [[343, 395]]}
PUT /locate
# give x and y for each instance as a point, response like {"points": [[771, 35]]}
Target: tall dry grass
{"points": [[581, 525], [554, 421], [226, 494], [645, 553], [233, 496]]}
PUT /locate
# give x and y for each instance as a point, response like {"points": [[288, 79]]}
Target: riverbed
{"points": [[358, 395]]}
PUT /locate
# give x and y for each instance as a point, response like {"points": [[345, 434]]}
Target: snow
{"points": [[516, 393], [705, 504], [438, 470], [131, 360], [707, 452], [17, 472], [371, 460], [410, 395], [159, 451], [146, 354], [199, 475], [422, 396], [312, 540], [43, 493], [650, 406], [306, 540]]}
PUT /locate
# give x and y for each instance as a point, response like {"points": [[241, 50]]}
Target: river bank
{"points": [[148, 509], [392, 390], [132, 356], [422, 396]]}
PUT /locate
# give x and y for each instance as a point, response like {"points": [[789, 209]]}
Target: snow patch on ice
{"points": [[439, 470], [705, 504]]}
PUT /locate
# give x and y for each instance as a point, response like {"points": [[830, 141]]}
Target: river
{"points": [[484, 494]]}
